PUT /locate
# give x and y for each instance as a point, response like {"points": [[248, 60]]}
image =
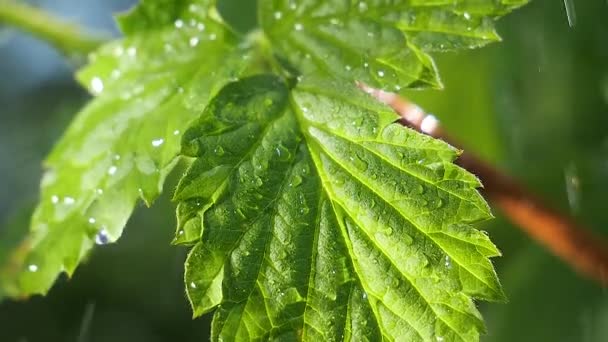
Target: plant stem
{"points": [[67, 37], [577, 246]]}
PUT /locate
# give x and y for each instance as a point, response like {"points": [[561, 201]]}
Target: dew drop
{"points": [[213, 36], [278, 15], [192, 285], [380, 73], [448, 262], [179, 23], [68, 200], [194, 41], [92, 220], [200, 27], [298, 27], [32, 268], [54, 199], [176, 132], [467, 15]]}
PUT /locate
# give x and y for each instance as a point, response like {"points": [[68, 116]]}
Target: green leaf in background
{"points": [[124, 143], [323, 219], [379, 42]]}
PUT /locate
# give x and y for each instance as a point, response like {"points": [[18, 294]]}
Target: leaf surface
{"points": [[383, 43], [313, 215], [123, 144]]}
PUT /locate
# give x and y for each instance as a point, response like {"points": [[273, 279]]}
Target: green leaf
{"points": [[315, 216], [149, 86], [379, 42]]}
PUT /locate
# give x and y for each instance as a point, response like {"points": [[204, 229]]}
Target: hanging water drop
{"points": [[102, 237]]}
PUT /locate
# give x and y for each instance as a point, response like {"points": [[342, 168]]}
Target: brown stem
{"points": [[573, 243]]}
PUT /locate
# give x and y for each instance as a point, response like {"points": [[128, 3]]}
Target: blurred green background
{"points": [[536, 105]]}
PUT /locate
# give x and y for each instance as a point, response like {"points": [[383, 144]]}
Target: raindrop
{"points": [[297, 180], [419, 189], [406, 239], [32, 268], [348, 68], [158, 142], [381, 73], [570, 12], [439, 338], [200, 27], [278, 15], [362, 6], [179, 23], [219, 151], [102, 237], [192, 285], [99, 191], [194, 41], [112, 170], [132, 52], [176, 132], [55, 199], [68, 200], [118, 51], [97, 85], [573, 185], [92, 220], [467, 15], [298, 27], [448, 262], [213, 36], [359, 163]]}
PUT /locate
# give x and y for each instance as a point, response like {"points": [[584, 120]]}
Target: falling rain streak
{"points": [[570, 12]]}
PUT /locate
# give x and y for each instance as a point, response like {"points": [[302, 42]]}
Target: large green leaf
{"points": [[149, 87], [380, 42], [313, 215]]}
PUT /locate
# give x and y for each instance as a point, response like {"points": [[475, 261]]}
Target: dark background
{"points": [[536, 105]]}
